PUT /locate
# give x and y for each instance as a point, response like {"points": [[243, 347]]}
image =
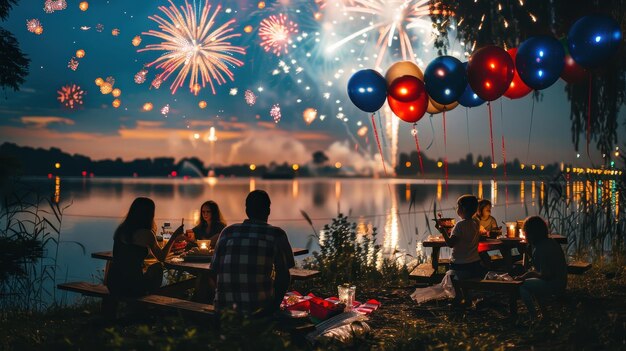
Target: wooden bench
{"points": [[303, 274], [578, 267], [101, 291], [423, 273], [507, 287]]}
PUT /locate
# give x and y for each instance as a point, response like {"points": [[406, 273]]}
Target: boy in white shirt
{"points": [[465, 261]]}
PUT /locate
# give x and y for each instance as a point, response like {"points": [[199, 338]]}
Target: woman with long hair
{"points": [[134, 238], [211, 223]]}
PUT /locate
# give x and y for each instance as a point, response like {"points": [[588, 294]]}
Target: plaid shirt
{"points": [[247, 256]]}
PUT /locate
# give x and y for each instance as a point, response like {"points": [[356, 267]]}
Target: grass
{"points": [[593, 316]]}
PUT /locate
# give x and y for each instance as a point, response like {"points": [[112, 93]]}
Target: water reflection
{"points": [[401, 210]]}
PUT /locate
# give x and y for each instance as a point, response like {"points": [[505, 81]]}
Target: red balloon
{"points": [[406, 88], [412, 110], [517, 89], [572, 72], [490, 71]]}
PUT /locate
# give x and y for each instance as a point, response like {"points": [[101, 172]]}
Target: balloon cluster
{"points": [[490, 73]]}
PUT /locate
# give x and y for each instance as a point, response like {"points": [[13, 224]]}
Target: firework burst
{"points": [[392, 19], [54, 5], [73, 64], [193, 46], [275, 113], [140, 77], [32, 25], [71, 95], [250, 97], [276, 32]]}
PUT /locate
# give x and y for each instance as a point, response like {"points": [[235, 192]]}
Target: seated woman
{"points": [[549, 273], [484, 218], [133, 239], [210, 225]]}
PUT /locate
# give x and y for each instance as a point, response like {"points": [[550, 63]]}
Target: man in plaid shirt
{"points": [[252, 261]]}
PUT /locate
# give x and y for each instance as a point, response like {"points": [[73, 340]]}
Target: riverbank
{"points": [[592, 316]]}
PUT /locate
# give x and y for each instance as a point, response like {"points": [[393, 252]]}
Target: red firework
{"points": [[71, 95], [276, 32]]}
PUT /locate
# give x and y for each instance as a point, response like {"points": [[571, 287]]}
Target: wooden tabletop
{"points": [[108, 255], [439, 242]]}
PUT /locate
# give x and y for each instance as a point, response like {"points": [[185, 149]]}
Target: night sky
{"points": [[245, 134]]}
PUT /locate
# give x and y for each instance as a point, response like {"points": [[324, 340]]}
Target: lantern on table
{"points": [[346, 294]]}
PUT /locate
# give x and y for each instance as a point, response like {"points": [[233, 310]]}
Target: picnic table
{"points": [[203, 271], [504, 245]]}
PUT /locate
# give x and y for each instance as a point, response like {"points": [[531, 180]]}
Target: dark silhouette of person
{"points": [[252, 261], [548, 275], [133, 240]]}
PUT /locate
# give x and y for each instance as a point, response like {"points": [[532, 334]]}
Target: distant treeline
{"points": [[408, 164], [22, 160]]}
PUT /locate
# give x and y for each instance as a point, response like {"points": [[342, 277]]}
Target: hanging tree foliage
{"points": [[507, 23], [13, 63]]}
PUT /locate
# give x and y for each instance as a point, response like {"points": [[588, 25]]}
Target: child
{"points": [[549, 276], [465, 261], [484, 218]]}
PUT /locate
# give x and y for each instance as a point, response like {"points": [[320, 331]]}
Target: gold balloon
{"points": [[403, 68], [434, 107]]}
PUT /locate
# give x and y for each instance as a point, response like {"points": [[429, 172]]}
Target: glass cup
{"points": [[346, 294]]}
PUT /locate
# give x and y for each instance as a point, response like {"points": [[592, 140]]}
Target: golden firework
{"points": [[116, 103], [106, 88], [116, 92], [83, 6], [194, 45], [80, 53]]}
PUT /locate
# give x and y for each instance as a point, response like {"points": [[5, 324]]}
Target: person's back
{"points": [[549, 259], [125, 276], [466, 248], [549, 276], [252, 261]]}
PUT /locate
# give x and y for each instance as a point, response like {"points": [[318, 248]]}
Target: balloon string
{"points": [[469, 149], [382, 134], [493, 157], [417, 145], [532, 114], [506, 186], [445, 152], [380, 150], [432, 132], [589, 114]]}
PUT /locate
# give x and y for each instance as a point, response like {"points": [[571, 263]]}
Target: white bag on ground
{"points": [[436, 292]]}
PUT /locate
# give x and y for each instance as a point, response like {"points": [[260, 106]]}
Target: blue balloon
{"points": [[367, 90], [540, 61], [445, 79], [593, 39], [469, 98]]}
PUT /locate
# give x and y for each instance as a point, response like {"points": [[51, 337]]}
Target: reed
{"points": [[30, 235], [589, 212]]}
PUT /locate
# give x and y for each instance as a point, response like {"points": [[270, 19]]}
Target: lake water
{"points": [[400, 209]]}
